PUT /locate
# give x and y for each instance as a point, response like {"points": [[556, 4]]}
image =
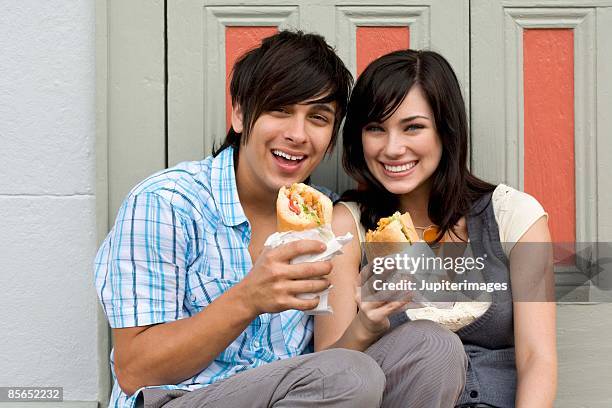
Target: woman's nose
{"points": [[394, 146]]}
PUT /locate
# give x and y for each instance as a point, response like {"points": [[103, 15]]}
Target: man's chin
{"points": [[285, 180]]}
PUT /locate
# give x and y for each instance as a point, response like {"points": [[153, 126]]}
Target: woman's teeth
{"points": [[286, 155], [403, 167]]}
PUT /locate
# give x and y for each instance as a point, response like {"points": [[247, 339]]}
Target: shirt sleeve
{"points": [[140, 267], [515, 212]]}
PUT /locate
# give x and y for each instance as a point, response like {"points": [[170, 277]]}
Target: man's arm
{"points": [[150, 244], [171, 352]]}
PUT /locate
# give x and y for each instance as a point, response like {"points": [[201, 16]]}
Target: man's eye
{"points": [[320, 118], [280, 109]]}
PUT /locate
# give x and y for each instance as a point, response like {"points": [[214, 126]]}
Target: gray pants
{"points": [[424, 365], [330, 378]]}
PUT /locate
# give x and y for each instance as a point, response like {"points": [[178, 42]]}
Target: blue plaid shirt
{"points": [[180, 240]]}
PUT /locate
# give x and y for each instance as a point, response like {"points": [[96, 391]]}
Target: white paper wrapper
{"points": [[334, 247]]}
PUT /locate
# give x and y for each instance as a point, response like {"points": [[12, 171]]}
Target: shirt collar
{"points": [[225, 190]]}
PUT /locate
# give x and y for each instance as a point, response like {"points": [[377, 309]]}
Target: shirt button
{"points": [[473, 394]]}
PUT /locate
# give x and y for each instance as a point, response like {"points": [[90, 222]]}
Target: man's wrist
{"points": [[238, 296]]}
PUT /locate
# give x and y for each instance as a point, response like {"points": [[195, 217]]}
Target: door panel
{"points": [[533, 112], [541, 91], [199, 57]]}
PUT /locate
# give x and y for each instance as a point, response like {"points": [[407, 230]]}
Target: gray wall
{"points": [[48, 309]]}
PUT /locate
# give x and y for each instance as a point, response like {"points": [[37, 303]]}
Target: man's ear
{"points": [[237, 124]]}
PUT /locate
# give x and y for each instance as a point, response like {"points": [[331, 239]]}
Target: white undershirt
{"points": [[515, 212]]}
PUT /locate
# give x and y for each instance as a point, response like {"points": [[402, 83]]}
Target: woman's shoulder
{"points": [[347, 218], [509, 199]]}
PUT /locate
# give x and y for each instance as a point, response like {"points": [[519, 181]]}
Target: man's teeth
{"points": [[286, 155], [403, 167]]}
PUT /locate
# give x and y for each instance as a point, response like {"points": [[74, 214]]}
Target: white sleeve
{"points": [[515, 212]]}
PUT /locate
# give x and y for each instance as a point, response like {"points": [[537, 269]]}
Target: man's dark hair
{"points": [[288, 68], [379, 91]]}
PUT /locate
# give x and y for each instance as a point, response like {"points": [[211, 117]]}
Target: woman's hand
{"points": [[373, 316]]}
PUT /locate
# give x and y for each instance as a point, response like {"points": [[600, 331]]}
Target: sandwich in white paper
{"points": [[303, 212]]}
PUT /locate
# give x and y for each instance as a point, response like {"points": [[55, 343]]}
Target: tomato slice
{"points": [[293, 207]]}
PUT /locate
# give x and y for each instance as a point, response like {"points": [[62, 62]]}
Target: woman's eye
{"points": [[414, 127], [281, 110], [373, 128]]}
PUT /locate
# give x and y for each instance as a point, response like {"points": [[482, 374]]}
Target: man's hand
{"points": [[273, 283]]}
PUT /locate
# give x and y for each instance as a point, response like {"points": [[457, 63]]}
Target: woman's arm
{"points": [[344, 278], [532, 277], [346, 327]]}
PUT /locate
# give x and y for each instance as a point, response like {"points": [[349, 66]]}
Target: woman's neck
{"points": [[417, 203]]}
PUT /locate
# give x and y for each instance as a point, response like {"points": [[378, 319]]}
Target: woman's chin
{"points": [[398, 187]]}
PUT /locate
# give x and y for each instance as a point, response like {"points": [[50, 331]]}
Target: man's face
{"points": [[286, 144]]}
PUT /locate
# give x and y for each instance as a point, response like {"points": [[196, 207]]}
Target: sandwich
{"points": [[396, 228], [391, 236], [301, 207]]}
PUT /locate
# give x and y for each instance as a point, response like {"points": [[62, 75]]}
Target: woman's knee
{"points": [[360, 377], [424, 346], [351, 376], [422, 355], [440, 346]]}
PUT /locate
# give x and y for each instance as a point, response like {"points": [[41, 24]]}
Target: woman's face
{"points": [[404, 151]]}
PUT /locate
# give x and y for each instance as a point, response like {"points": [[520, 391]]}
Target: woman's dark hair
{"points": [[379, 91], [288, 68]]}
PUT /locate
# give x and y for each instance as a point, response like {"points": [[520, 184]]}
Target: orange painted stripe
{"points": [[374, 42], [239, 40], [548, 56]]}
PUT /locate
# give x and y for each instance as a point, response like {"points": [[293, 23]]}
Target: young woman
{"points": [[406, 143]]}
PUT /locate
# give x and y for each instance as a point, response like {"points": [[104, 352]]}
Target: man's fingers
{"points": [[287, 252], [307, 286], [305, 304], [309, 270]]}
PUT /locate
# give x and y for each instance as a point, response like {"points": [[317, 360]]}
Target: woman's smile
{"points": [[399, 170]]}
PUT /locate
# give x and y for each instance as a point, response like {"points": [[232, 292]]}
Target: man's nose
{"points": [[296, 129]]}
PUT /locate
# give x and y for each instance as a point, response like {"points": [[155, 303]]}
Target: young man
{"points": [[195, 302]]}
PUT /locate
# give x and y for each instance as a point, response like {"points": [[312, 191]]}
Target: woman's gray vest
{"points": [[488, 341]]}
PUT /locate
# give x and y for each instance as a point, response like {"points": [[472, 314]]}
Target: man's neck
{"points": [[256, 200]]}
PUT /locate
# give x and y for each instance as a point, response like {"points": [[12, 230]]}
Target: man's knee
{"points": [[357, 377]]}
